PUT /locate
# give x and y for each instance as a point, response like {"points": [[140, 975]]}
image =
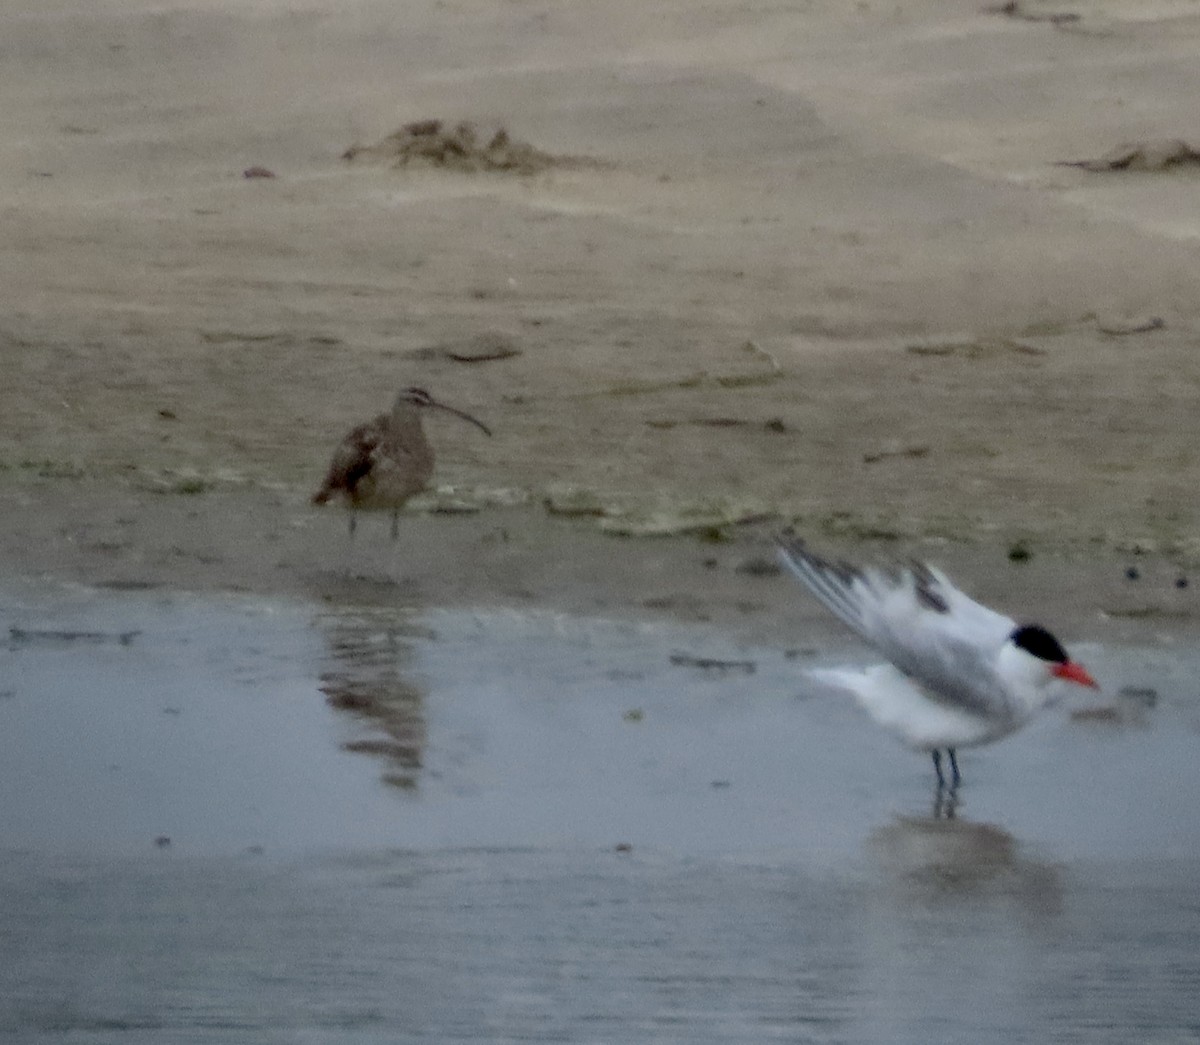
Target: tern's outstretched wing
{"points": [[916, 618]]}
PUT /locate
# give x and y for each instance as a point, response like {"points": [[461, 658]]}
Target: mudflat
{"points": [[705, 270]]}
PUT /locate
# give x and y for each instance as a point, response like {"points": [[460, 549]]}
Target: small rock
{"points": [[1019, 552], [570, 500], [1132, 573], [747, 667], [894, 449], [1099, 714], [759, 567], [1123, 327], [1138, 545], [1147, 696], [484, 347], [1014, 10]]}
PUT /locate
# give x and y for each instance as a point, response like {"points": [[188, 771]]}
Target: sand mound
{"points": [[463, 147]]}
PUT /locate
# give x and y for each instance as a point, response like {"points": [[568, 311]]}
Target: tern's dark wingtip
{"points": [[789, 549]]}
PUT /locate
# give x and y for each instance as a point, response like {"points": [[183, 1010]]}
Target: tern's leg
{"points": [[395, 524], [955, 775], [353, 521], [937, 767]]}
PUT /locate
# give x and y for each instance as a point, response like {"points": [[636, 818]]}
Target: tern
{"points": [[960, 674], [383, 462]]}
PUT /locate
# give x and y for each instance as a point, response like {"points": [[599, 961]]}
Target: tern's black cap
{"points": [[1038, 642]]}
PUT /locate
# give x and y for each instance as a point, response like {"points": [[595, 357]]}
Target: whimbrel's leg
{"points": [[955, 777]]}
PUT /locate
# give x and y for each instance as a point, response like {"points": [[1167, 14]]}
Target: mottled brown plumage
{"points": [[383, 462]]}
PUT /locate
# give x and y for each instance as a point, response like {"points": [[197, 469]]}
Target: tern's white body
{"points": [[908, 712]]}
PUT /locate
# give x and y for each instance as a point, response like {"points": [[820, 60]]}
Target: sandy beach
{"points": [[809, 263]]}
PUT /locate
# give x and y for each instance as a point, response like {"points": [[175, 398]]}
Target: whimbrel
{"points": [[382, 463]]}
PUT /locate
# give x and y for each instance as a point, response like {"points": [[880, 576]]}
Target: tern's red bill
{"points": [[1073, 672]]}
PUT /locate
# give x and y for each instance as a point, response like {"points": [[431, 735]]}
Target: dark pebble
{"points": [[759, 567]]}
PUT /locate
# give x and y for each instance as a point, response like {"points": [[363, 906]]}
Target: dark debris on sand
{"points": [[1151, 155], [462, 147]]}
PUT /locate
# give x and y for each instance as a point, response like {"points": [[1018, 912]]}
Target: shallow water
{"points": [[554, 829]]}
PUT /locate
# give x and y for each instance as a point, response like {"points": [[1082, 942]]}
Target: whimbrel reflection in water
{"points": [[365, 675]]}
